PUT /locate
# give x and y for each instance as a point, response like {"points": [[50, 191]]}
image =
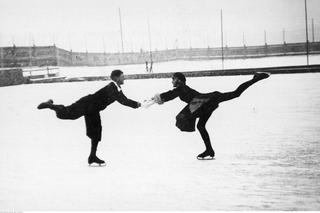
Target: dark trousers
{"points": [[75, 111]]}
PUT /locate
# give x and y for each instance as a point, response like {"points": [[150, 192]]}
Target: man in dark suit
{"points": [[90, 107], [200, 106]]}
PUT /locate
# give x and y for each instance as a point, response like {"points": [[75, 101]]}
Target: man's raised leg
{"points": [[46, 104], [71, 112]]}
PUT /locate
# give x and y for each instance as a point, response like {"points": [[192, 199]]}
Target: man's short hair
{"points": [[179, 76], [115, 74]]}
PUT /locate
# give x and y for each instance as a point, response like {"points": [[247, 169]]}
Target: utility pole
{"points": [[1, 57], [243, 39], [69, 39], [307, 37], [104, 50], [222, 56], [30, 50], [150, 49], [13, 40], [70, 47], [53, 40], [121, 33], [87, 57], [312, 30], [1, 54]]}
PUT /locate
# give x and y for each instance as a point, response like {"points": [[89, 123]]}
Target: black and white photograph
{"points": [[159, 105]]}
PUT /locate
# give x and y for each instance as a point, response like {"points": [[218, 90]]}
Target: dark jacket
{"points": [[184, 92], [198, 104], [102, 98]]}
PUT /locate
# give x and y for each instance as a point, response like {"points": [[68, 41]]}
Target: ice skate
{"points": [[206, 155], [260, 75], [95, 161], [45, 105]]}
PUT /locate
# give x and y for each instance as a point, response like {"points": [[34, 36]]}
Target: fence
{"points": [[53, 56]]}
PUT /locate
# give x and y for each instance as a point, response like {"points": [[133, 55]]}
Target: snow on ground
{"points": [[267, 150]]}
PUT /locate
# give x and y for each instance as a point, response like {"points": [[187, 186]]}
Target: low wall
{"points": [[11, 77], [229, 72]]}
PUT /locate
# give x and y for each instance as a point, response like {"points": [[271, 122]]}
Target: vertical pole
{"points": [[222, 56], [86, 46], [1, 54], [284, 41], [30, 51], [243, 40], [104, 50], [307, 39], [34, 51], [54, 46], [244, 45], [13, 41], [57, 55], [14, 51], [1, 57], [207, 41], [53, 40], [312, 30], [265, 37], [121, 34], [150, 49], [70, 47]]}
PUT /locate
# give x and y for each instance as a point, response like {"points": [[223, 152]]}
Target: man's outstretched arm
{"points": [[122, 99], [161, 98]]}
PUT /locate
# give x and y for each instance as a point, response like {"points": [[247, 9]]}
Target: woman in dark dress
{"points": [[200, 106]]}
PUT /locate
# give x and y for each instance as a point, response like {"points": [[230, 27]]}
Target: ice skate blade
{"points": [[206, 158], [97, 165]]}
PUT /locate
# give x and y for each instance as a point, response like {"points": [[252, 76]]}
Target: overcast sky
{"points": [[82, 25]]}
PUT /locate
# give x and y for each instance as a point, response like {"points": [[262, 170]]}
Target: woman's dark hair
{"points": [[179, 76], [115, 74]]}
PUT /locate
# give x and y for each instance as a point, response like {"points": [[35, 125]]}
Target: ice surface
{"points": [[267, 149]]}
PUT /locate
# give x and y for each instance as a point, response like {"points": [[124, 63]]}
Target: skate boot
{"points": [[45, 105], [260, 75], [95, 161], [206, 155]]}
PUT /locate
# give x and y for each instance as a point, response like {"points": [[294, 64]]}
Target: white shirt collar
{"points": [[118, 87]]}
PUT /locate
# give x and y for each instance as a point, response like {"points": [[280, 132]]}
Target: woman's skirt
{"points": [[202, 105]]}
